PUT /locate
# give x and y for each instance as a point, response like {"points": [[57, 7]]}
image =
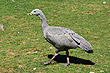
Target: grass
{"points": [[22, 45]]}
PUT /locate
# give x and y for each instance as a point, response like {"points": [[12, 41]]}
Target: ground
{"points": [[23, 47]]}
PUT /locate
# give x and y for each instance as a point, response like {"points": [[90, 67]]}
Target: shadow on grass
{"points": [[62, 59]]}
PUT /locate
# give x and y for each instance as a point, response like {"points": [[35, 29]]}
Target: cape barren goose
{"points": [[61, 38]]}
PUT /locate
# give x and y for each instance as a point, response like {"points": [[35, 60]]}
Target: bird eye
{"points": [[34, 11]]}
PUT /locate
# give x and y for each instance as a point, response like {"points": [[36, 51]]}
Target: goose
{"points": [[61, 38]]}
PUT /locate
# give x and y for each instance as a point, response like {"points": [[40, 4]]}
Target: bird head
{"points": [[36, 12]]}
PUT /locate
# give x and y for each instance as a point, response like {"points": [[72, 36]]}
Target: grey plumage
{"points": [[61, 38]]}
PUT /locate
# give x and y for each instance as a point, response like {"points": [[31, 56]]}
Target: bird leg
{"points": [[68, 63], [49, 62]]}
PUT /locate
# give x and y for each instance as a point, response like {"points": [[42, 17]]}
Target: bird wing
{"points": [[81, 42]]}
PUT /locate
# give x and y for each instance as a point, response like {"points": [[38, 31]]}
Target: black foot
{"points": [[46, 63], [66, 64]]}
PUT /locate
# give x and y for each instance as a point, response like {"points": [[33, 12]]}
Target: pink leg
{"points": [[67, 54], [68, 63], [49, 62], [53, 57]]}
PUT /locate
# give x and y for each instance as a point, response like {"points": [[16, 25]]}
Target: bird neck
{"points": [[43, 20]]}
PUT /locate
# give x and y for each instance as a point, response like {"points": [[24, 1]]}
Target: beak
{"points": [[29, 14]]}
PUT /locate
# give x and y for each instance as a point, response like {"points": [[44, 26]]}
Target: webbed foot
{"points": [[46, 63], [66, 64]]}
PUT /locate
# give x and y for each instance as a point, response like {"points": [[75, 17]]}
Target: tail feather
{"points": [[86, 46], [82, 43]]}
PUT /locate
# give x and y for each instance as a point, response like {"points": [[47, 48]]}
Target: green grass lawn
{"points": [[23, 47]]}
